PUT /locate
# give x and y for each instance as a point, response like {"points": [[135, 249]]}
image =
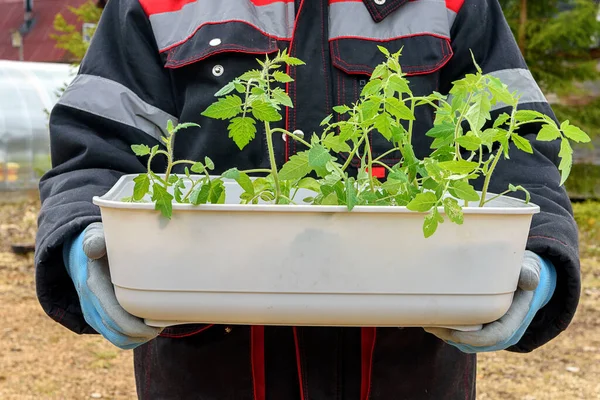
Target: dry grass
{"points": [[41, 360]]}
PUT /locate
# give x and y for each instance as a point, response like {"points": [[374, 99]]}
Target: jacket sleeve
{"points": [[120, 96], [480, 26]]}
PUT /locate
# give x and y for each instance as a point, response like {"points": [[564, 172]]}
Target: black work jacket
{"points": [[154, 60]]}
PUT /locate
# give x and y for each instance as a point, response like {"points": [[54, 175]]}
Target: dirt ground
{"points": [[41, 360]]}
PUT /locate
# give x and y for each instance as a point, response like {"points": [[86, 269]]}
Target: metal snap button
{"points": [[218, 70], [215, 42], [380, 2], [297, 132]]}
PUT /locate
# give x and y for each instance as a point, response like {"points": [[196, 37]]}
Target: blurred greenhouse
{"points": [[28, 91]]}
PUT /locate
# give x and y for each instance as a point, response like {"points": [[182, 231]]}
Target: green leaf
{"points": [[292, 60], [369, 109], [209, 163], [566, 160], [153, 150], [514, 188], [252, 74], [398, 175], [330, 200], [501, 119], [187, 172], [217, 192], [453, 210], [198, 168], [282, 77], [341, 109], [297, 167], [200, 194], [422, 202], [280, 96], [379, 71], [162, 200], [177, 190], [574, 133], [521, 143], [441, 130], [479, 112], [459, 167], [140, 149], [239, 87], [336, 144], [230, 87], [318, 156], [464, 191], [398, 109], [232, 173], [398, 84], [433, 169], [242, 130], [430, 224], [225, 108], [326, 120], [500, 91], [170, 126], [548, 133], [141, 187], [185, 126], [443, 134], [527, 115], [384, 50], [392, 186], [173, 178], [475, 62], [245, 182], [309, 184], [469, 142], [371, 88], [351, 194], [257, 91], [383, 123], [265, 112]]}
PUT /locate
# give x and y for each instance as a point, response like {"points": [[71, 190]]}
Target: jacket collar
{"points": [[379, 9]]}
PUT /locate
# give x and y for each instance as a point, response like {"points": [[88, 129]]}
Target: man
{"points": [[153, 60]]}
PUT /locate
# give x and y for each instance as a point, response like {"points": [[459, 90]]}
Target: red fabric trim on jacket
{"points": [[299, 364], [368, 337], [151, 7], [257, 356], [454, 5]]}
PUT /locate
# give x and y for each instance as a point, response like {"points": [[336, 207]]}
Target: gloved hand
{"points": [[536, 286], [87, 265]]}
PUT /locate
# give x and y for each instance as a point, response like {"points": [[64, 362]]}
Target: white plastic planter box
{"points": [[312, 265]]}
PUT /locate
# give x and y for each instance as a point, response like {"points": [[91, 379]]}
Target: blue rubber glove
{"points": [[87, 265], [537, 283]]}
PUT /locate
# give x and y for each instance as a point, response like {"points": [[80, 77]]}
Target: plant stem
{"points": [[254, 171], [383, 165], [410, 123], [272, 160], [370, 165], [488, 176], [386, 154], [295, 137], [496, 196], [183, 162], [353, 152], [486, 183]]}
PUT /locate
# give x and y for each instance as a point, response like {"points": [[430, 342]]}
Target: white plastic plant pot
{"points": [[312, 265]]}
